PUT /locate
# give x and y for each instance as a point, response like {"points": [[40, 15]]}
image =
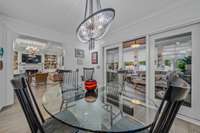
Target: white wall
{"points": [[71, 63], [2, 72], [10, 29], [6, 39]]}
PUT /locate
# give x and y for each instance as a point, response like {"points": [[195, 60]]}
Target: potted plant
{"points": [[167, 62], [188, 61], [181, 65]]}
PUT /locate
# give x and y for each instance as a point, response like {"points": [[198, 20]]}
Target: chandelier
{"points": [[32, 50], [95, 24]]}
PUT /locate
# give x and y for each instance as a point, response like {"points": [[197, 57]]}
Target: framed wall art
{"points": [[79, 53], [1, 58], [94, 57]]}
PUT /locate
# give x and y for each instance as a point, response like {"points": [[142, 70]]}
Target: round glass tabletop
{"points": [[103, 110]]}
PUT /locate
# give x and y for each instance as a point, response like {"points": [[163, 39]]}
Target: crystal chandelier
{"points": [[95, 24], [32, 50]]}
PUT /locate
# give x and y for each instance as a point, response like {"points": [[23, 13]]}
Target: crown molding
{"points": [[115, 37], [25, 28], [175, 5]]}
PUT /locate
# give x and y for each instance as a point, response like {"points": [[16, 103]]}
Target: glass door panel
{"points": [[112, 64], [176, 51], [173, 54], [134, 61]]}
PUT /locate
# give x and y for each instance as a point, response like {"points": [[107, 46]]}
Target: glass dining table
{"points": [[99, 111]]}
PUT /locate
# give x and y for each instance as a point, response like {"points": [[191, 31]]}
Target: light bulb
{"points": [[101, 19], [100, 26], [135, 45]]}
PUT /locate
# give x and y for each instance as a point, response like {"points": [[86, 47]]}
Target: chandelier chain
{"points": [[98, 5], [86, 8]]}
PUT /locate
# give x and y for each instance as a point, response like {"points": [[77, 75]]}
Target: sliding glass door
{"points": [[176, 51], [173, 54], [149, 63]]}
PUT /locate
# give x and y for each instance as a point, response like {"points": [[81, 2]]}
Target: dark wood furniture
{"points": [[41, 78], [55, 76]]}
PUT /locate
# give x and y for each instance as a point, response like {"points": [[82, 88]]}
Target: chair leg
{"points": [[162, 120], [61, 106], [172, 116], [76, 131]]}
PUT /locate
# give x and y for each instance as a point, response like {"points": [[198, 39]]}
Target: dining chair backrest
{"points": [[25, 82], [20, 88], [169, 107], [70, 80], [27, 87], [114, 92], [70, 84], [88, 73]]}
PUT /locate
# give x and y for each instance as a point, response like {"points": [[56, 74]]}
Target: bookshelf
{"points": [[50, 61], [15, 61]]}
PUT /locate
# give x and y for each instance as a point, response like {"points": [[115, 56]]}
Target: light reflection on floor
{"points": [[12, 119]]}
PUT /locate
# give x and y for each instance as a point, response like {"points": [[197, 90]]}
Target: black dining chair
{"points": [[70, 79], [70, 87], [90, 83], [113, 99], [88, 74], [36, 125], [170, 105], [114, 92], [166, 114]]}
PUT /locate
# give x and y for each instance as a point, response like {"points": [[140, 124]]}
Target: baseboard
{"points": [[188, 119], [183, 117], [1, 108], [5, 106]]}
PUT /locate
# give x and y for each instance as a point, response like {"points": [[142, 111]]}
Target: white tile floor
{"points": [[12, 119], [179, 126]]}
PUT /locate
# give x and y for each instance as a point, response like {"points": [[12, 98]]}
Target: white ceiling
{"points": [[65, 15]]}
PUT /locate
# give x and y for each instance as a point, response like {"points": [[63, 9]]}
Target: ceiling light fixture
{"points": [[135, 45], [32, 50], [95, 24]]}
